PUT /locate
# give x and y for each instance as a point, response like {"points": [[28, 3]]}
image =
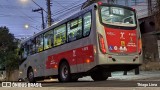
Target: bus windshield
{"points": [[116, 16]]}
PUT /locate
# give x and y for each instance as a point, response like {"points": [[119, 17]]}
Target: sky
{"points": [[15, 14]]}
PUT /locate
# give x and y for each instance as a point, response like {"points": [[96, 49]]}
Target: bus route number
{"points": [[74, 53], [85, 48]]}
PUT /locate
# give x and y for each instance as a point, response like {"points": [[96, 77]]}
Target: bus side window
{"points": [[74, 29], [39, 43], [24, 51], [48, 40], [86, 24], [60, 35]]}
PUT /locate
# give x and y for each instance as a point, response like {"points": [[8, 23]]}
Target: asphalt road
{"points": [[107, 83], [147, 82], [144, 79]]}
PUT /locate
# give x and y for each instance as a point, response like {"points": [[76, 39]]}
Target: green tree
{"points": [[8, 50]]}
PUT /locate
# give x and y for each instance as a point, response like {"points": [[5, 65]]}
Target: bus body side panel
{"points": [[39, 63], [81, 57], [23, 70], [36, 62], [75, 57], [92, 39]]}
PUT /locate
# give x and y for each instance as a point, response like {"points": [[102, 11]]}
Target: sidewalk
{"points": [[144, 75]]}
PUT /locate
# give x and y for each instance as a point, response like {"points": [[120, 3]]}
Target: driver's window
{"points": [[129, 20], [24, 51]]}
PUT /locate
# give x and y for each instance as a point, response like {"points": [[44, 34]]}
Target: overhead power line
{"points": [[9, 15], [66, 10], [39, 6], [73, 3], [59, 4]]}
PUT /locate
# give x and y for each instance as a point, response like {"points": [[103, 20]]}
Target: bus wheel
{"points": [[99, 76], [64, 72], [30, 76]]}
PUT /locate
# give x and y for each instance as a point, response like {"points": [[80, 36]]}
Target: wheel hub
{"points": [[31, 75], [64, 72]]}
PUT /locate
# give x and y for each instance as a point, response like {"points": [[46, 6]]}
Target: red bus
{"points": [[96, 41]]}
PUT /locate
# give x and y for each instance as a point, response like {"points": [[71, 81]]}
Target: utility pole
{"points": [[149, 7], [111, 1], [136, 2], [49, 12], [37, 10], [40, 9], [126, 2]]}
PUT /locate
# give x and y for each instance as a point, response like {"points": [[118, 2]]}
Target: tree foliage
{"points": [[8, 49]]}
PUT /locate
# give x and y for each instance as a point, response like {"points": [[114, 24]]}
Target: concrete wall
{"points": [[150, 47], [13, 76], [147, 25], [149, 39]]}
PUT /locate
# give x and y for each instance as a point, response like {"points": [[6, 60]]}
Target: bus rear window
{"points": [[117, 16]]}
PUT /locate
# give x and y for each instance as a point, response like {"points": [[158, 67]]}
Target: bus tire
{"points": [[64, 74], [30, 76], [74, 79], [99, 76]]}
